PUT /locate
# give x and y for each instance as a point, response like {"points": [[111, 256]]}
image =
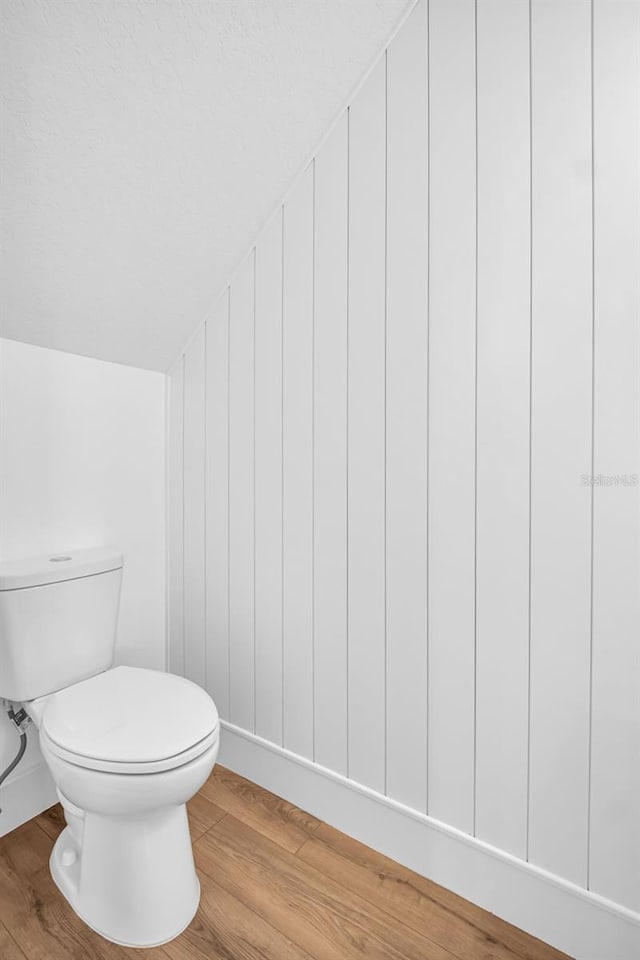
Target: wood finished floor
{"points": [[277, 884]]}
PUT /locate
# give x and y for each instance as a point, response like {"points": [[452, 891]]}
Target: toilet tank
{"points": [[58, 618]]}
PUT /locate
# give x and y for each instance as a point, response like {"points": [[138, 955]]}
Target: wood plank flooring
{"points": [[277, 884]]}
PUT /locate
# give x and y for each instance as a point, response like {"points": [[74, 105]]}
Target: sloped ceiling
{"points": [[143, 144]]}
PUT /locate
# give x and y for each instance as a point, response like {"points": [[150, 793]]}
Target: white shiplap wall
{"points": [[384, 555]]}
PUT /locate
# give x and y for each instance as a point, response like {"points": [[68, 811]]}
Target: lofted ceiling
{"points": [[144, 142]]}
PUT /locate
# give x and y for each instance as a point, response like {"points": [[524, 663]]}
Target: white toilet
{"points": [[126, 747]]}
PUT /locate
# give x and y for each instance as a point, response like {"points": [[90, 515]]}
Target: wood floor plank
{"points": [[52, 821], [268, 814], [52, 931], [23, 852], [398, 893], [225, 929], [466, 930], [9, 949], [298, 900], [203, 814]]}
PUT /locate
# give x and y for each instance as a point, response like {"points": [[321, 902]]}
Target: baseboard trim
{"points": [[25, 796], [582, 924]]}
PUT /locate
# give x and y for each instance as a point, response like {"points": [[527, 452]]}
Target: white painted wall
{"points": [[386, 429], [82, 463]]}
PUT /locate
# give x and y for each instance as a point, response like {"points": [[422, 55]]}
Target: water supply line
{"points": [[21, 720]]}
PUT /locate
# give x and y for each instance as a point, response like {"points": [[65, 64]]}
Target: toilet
{"points": [[127, 747]]}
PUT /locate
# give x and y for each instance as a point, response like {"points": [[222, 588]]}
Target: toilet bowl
{"points": [[127, 749]]}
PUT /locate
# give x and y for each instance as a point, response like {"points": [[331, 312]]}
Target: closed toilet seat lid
{"points": [[130, 720]]}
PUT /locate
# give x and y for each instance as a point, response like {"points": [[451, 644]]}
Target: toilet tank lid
{"points": [[57, 567]]}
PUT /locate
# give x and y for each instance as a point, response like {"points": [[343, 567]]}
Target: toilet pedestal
{"points": [[132, 880]]}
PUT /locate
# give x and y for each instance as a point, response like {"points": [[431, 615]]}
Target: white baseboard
{"points": [[25, 796], [582, 924]]}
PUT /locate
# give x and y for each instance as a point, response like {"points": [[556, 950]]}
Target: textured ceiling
{"points": [[143, 144]]}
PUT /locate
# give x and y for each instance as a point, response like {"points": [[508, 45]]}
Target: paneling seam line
{"points": [[313, 460], [475, 451], [386, 244], [528, 797], [254, 488], [204, 512], [184, 622], [348, 282], [428, 398], [229, 502], [593, 428], [282, 580]]}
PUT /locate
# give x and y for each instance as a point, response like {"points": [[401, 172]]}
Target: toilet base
{"points": [[132, 880], [123, 943]]}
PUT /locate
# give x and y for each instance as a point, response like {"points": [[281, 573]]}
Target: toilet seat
{"points": [[129, 720], [125, 767]]}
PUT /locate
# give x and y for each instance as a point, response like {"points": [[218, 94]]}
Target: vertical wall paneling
{"points": [[502, 549], [452, 340], [268, 479], [407, 411], [330, 451], [217, 505], [241, 531], [176, 505], [194, 508], [615, 768], [366, 433], [561, 436], [388, 553], [297, 440]]}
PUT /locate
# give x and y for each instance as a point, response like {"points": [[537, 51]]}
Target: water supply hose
{"points": [[19, 721]]}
